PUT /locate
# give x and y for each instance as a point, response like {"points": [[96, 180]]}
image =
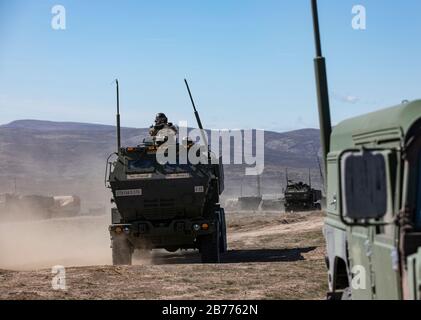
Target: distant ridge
{"points": [[48, 125], [69, 157], [53, 125]]}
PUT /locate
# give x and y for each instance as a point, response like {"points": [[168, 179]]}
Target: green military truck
{"points": [[373, 222], [300, 196], [168, 206]]}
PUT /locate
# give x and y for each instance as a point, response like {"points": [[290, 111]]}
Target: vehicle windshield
{"points": [[141, 165], [176, 168], [149, 164]]}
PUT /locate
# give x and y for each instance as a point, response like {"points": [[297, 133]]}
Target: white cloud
{"points": [[346, 98]]}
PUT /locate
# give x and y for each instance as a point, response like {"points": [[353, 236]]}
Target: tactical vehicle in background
{"points": [[251, 203], [14, 207], [299, 196], [373, 222], [258, 202], [66, 206], [272, 203], [165, 206]]}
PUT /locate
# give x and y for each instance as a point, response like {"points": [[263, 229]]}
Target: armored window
{"points": [[141, 165], [365, 185], [176, 168]]}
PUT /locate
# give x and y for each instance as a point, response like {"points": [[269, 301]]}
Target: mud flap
{"points": [[223, 245], [210, 247], [121, 250]]}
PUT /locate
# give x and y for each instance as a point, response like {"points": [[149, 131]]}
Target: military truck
{"points": [[300, 196], [251, 203], [16, 207], [373, 221], [66, 206], [168, 206]]}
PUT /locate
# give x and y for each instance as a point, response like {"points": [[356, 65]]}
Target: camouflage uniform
{"points": [[161, 122]]}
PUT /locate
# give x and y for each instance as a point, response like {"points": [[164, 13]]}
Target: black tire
{"points": [[223, 245], [122, 251], [172, 249], [209, 247]]}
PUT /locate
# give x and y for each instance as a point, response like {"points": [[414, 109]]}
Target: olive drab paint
{"points": [[371, 258], [169, 205]]}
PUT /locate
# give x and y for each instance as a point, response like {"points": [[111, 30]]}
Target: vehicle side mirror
{"points": [[365, 186]]}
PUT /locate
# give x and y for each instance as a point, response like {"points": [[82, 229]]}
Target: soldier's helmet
{"points": [[161, 118]]}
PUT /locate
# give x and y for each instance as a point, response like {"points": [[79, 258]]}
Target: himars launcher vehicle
{"points": [[165, 206], [373, 223]]}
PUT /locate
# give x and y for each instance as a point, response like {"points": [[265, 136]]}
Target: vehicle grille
{"points": [[159, 203]]}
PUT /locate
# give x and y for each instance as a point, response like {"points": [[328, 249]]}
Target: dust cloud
{"points": [[77, 241], [34, 238]]}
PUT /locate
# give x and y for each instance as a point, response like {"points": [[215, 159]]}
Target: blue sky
{"points": [[249, 62]]}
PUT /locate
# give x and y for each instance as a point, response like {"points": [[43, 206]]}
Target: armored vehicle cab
{"points": [[373, 222], [301, 197], [166, 206], [374, 210]]}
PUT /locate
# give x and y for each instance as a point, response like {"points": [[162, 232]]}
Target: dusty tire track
{"points": [[271, 256]]}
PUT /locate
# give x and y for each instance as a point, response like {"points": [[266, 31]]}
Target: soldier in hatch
{"points": [[161, 122]]}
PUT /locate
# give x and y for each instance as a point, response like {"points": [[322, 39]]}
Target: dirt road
{"points": [[271, 256]]}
